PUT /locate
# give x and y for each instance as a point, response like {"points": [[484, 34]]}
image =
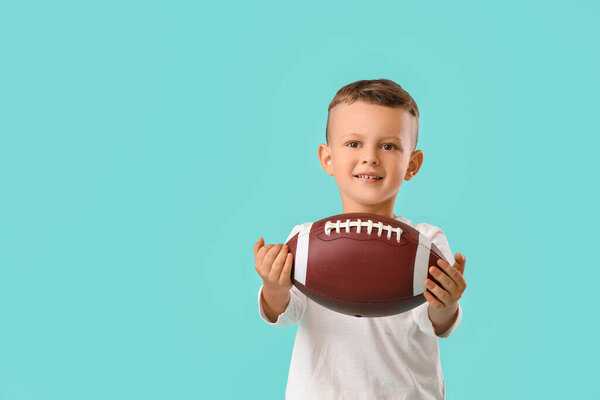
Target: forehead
{"points": [[369, 120]]}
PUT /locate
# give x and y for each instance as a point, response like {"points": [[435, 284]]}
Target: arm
{"points": [[273, 303], [274, 264], [279, 303], [442, 320], [443, 300]]}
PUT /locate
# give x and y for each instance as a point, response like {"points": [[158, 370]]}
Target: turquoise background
{"points": [[146, 146]]}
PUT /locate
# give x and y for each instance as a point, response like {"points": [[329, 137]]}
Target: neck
{"points": [[384, 208], [372, 210]]}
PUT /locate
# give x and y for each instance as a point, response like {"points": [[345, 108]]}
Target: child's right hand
{"points": [[274, 265]]}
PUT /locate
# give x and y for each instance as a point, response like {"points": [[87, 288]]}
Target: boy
{"points": [[372, 130]]}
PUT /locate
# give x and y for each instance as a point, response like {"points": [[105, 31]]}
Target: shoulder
{"points": [[426, 229], [433, 233], [298, 228]]}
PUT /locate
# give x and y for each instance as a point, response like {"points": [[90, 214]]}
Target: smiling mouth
{"points": [[366, 178]]}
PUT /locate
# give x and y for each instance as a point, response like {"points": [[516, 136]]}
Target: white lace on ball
{"points": [[358, 224]]}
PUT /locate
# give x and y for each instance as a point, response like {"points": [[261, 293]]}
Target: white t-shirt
{"points": [[338, 356]]}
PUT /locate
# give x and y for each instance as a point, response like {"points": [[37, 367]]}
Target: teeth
{"points": [[368, 177]]}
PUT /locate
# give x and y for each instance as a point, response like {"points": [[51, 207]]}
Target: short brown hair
{"points": [[376, 91]]}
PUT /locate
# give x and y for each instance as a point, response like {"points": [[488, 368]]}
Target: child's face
{"points": [[369, 138]]}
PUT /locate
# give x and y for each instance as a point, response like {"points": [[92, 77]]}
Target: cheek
{"points": [[399, 169], [394, 162], [345, 163]]}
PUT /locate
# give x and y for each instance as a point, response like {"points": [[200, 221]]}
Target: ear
{"points": [[416, 160], [325, 158]]}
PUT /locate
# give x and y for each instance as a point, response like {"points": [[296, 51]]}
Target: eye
{"points": [[389, 144], [350, 144]]}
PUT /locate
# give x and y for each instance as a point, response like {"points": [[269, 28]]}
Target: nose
{"points": [[370, 157]]}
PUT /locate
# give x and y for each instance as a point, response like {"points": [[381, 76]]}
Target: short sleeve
{"points": [[297, 305], [420, 313]]}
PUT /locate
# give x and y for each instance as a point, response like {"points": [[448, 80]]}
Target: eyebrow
{"points": [[392, 137], [361, 136]]}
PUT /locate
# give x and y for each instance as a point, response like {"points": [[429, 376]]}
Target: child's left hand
{"points": [[452, 282]]}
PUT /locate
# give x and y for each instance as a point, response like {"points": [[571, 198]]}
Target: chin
{"points": [[369, 202]]}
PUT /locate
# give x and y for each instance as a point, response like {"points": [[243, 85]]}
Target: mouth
{"points": [[368, 178]]}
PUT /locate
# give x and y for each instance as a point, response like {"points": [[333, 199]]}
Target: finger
{"points": [[445, 281], [262, 252], [270, 256], [278, 264], [287, 269], [440, 293], [451, 271], [431, 299], [259, 243], [455, 287]]}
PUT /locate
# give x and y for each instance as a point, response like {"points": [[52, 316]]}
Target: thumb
{"points": [[460, 262]]}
